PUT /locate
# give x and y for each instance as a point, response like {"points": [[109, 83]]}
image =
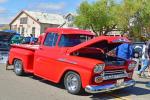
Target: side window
{"points": [[51, 39], [33, 30]]}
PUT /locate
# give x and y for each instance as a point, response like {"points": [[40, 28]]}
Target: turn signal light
{"points": [[132, 65], [98, 79], [130, 75]]}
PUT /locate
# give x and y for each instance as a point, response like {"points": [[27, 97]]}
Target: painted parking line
{"points": [[117, 97]]}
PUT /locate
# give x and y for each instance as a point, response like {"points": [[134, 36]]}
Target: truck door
{"points": [[46, 56]]}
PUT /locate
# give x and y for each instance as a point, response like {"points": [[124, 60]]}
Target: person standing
{"points": [[32, 39], [145, 60], [148, 44]]}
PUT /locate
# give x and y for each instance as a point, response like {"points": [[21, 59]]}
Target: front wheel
{"points": [[18, 67], [72, 82]]}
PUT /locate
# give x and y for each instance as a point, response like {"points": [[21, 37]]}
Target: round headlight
{"points": [[99, 68]]}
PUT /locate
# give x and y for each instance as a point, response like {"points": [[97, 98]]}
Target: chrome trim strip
{"points": [[65, 60], [114, 71], [108, 87]]}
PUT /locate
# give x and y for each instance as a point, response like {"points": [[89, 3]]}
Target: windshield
{"points": [[70, 40]]}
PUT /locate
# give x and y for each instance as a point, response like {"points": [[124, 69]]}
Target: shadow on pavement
{"points": [[139, 91], [10, 69], [43, 80], [141, 82], [100, 96], [121, 93], [57, 85]]}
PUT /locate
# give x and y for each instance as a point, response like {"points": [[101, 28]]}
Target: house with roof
{"points": [[29, 22], [69, 19]]}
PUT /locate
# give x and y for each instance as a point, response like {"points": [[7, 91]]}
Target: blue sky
{"points": [[10, 8]]}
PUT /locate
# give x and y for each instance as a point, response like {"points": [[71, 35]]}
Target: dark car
{"points": [[16, 39], [26, 40], [5, 39]]}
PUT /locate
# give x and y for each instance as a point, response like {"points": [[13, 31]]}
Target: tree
{"points": [[143, 20], [102, 16], [126, 17], [98, 16], [138, 12]]}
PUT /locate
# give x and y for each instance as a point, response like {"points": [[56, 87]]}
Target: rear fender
{"points": [[26, 56]]}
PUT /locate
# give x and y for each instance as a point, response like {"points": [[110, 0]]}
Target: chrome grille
{"points": [[115, 63], [115, 74]]}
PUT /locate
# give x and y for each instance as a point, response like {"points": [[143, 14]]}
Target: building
{"points": [[29, 22], [114, 33], [69, 19]]}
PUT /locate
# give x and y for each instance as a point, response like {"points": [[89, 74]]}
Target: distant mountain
{"points": [[1, 25], [4, 26]]}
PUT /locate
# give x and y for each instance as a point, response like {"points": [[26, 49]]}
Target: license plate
{"points": [[120, 82]]}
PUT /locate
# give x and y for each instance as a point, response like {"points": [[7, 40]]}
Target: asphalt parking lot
{"points": [[30, 87]]}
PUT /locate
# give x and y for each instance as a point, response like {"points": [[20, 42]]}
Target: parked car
{"points": [[6, 39], [26, 40], [76, 59], [17, 39]]}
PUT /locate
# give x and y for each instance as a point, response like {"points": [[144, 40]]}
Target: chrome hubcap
{"points": [[18, 66], [72, 82]]}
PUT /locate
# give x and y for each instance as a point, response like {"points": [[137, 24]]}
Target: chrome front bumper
{"points": [[108, 87]]}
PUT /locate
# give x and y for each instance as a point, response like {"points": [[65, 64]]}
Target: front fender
{"points": [[85, 74]]}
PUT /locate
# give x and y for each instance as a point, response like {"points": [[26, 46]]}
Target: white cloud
{"points": [[48, 7], [5, 20], [51, 6], [3, 1], [2, 10]]}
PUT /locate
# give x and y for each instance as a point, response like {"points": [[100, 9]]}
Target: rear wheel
{"points": [[73, 83], [18, 67]]}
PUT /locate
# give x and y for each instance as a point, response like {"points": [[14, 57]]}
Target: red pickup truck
{"points": [[77, 59]]}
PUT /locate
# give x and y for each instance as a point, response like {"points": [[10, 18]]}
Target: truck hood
{"points": [[106, 43]]}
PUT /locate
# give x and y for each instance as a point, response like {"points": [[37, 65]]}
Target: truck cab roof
{"points": [[69, 31]]}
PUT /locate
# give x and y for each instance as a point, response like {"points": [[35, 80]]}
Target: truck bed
{"points": [[25, 53], [26, 46]]}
